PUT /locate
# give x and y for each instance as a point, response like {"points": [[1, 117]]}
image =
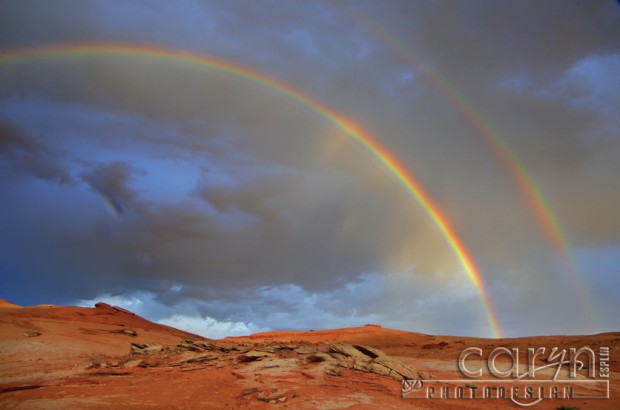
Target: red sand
{"points": [[79, 358]]}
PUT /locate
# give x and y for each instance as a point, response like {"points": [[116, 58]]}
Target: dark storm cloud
{"points": [[111, 181], [184, 244], [263, 196], [26, 154]]}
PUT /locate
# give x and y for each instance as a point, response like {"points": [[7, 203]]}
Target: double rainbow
{"points": [[546, 218], [368, 142]]}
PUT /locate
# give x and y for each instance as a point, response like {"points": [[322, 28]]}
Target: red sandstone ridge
{"points": [[102, 357], [6, 304]]}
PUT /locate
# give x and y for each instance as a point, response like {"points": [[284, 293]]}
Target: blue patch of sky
{"points": [[590, 83], [598, 82]]}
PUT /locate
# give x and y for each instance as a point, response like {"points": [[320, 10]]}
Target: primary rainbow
{"points": [[363, 138]]}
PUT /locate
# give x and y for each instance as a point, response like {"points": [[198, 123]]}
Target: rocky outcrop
{"points": [[127, 332], [103, 305], [324, 358], [274, 396], [254, 355], [370, 360]]}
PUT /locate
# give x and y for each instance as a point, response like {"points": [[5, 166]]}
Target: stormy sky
{"points": [[206, 200]]}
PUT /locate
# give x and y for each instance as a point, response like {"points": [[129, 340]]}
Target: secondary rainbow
{"points": [[370, 144]]}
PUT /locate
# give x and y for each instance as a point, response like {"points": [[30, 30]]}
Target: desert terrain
{"points": [[63, 357]]}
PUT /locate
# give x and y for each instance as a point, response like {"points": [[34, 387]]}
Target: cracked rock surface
{"points": [[319, 357]]}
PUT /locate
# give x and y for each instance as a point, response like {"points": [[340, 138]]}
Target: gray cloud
{"points": [[111, 181], [26, 154]]}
